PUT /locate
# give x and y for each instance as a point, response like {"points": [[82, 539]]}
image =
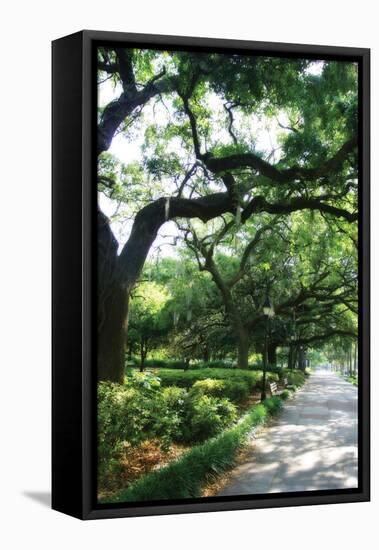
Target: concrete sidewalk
{"points": [[312, 445]]}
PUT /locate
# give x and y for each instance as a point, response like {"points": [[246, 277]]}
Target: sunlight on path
{"points": [[312, 445]]}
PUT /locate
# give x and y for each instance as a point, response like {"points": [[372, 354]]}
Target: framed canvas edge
{"points": [[91, 511]]}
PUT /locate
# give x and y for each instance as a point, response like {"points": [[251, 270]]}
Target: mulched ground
{"points": [[138, 461]]}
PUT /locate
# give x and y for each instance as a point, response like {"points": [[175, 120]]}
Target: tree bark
{"points": [[301, 360], [112, 337], [112, 307], [290, 357], [243, 348]]}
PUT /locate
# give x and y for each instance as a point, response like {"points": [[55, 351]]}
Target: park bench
{"points": [[273, 388]]}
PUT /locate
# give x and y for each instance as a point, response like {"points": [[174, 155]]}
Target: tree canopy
{"points": [[226, 177]]}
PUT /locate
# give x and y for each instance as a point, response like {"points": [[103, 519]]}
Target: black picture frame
{"points": [[74, 277]]}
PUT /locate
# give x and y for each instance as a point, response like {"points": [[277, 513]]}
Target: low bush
{"points": [[353, 380], [185, 477], [151, 364], [177, 364], [132, 413], [291, 387], [141, 410], [186, 379], [199, 415], [206, 416], [174, 397], [216, 364], [285, 394], [235, 390], [295, 377], [273, 404]]}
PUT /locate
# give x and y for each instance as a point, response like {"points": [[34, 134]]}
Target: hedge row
{"points": [[195, 365], [186, 379]]}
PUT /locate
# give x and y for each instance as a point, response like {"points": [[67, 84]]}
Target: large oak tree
{"points": [[221, 173]]}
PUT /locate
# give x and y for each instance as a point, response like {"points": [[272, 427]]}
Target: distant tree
{"points": [[148, 325]]}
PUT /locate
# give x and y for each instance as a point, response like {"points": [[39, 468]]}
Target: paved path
{"points": [[311, 446]]}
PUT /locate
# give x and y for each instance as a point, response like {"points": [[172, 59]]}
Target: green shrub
{"points": [[178, 365], [291, 387], [285, 395], [156, 363], [184, 477], [186, 379], [235, 390], [217, 364], [132, 413], [174, 397], [206, 416], [273, 404], [294, 377], [209, 386]]}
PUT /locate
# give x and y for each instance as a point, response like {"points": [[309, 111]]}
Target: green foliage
{"points": [[235, 390], [131, 413], [184, 477], [294, 377], [353, 380], [284, 395], [167, 364], [186, 379], [273, 404], [287, 113], [216, 364], [206, 416]]}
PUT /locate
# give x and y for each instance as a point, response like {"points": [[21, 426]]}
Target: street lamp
{"points": [[268, 312], [291, 352]]}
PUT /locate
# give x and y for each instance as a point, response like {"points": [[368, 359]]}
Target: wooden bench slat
{"points": [[273, 387]]}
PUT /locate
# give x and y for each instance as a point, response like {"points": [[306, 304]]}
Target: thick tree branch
{"points": [[277, 174], [125, 70], [115, 112], [259, 204], [151, 217], [326, 336], [148, 221]]}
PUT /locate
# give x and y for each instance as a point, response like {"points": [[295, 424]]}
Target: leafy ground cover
{"points": [[145, 424]]}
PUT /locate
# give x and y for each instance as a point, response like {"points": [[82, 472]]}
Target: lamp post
{"points": [[268, 312], [292, 345]]}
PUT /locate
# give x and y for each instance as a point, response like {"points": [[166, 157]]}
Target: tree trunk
{"points": [[112, 336], [290, 357], [243, 348], [143, 351], [301, 356], [130, 350]]}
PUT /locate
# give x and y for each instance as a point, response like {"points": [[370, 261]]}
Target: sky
{"points": [[265, 138]]}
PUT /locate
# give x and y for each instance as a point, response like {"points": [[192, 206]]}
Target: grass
{"points": [[185, 477]]}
